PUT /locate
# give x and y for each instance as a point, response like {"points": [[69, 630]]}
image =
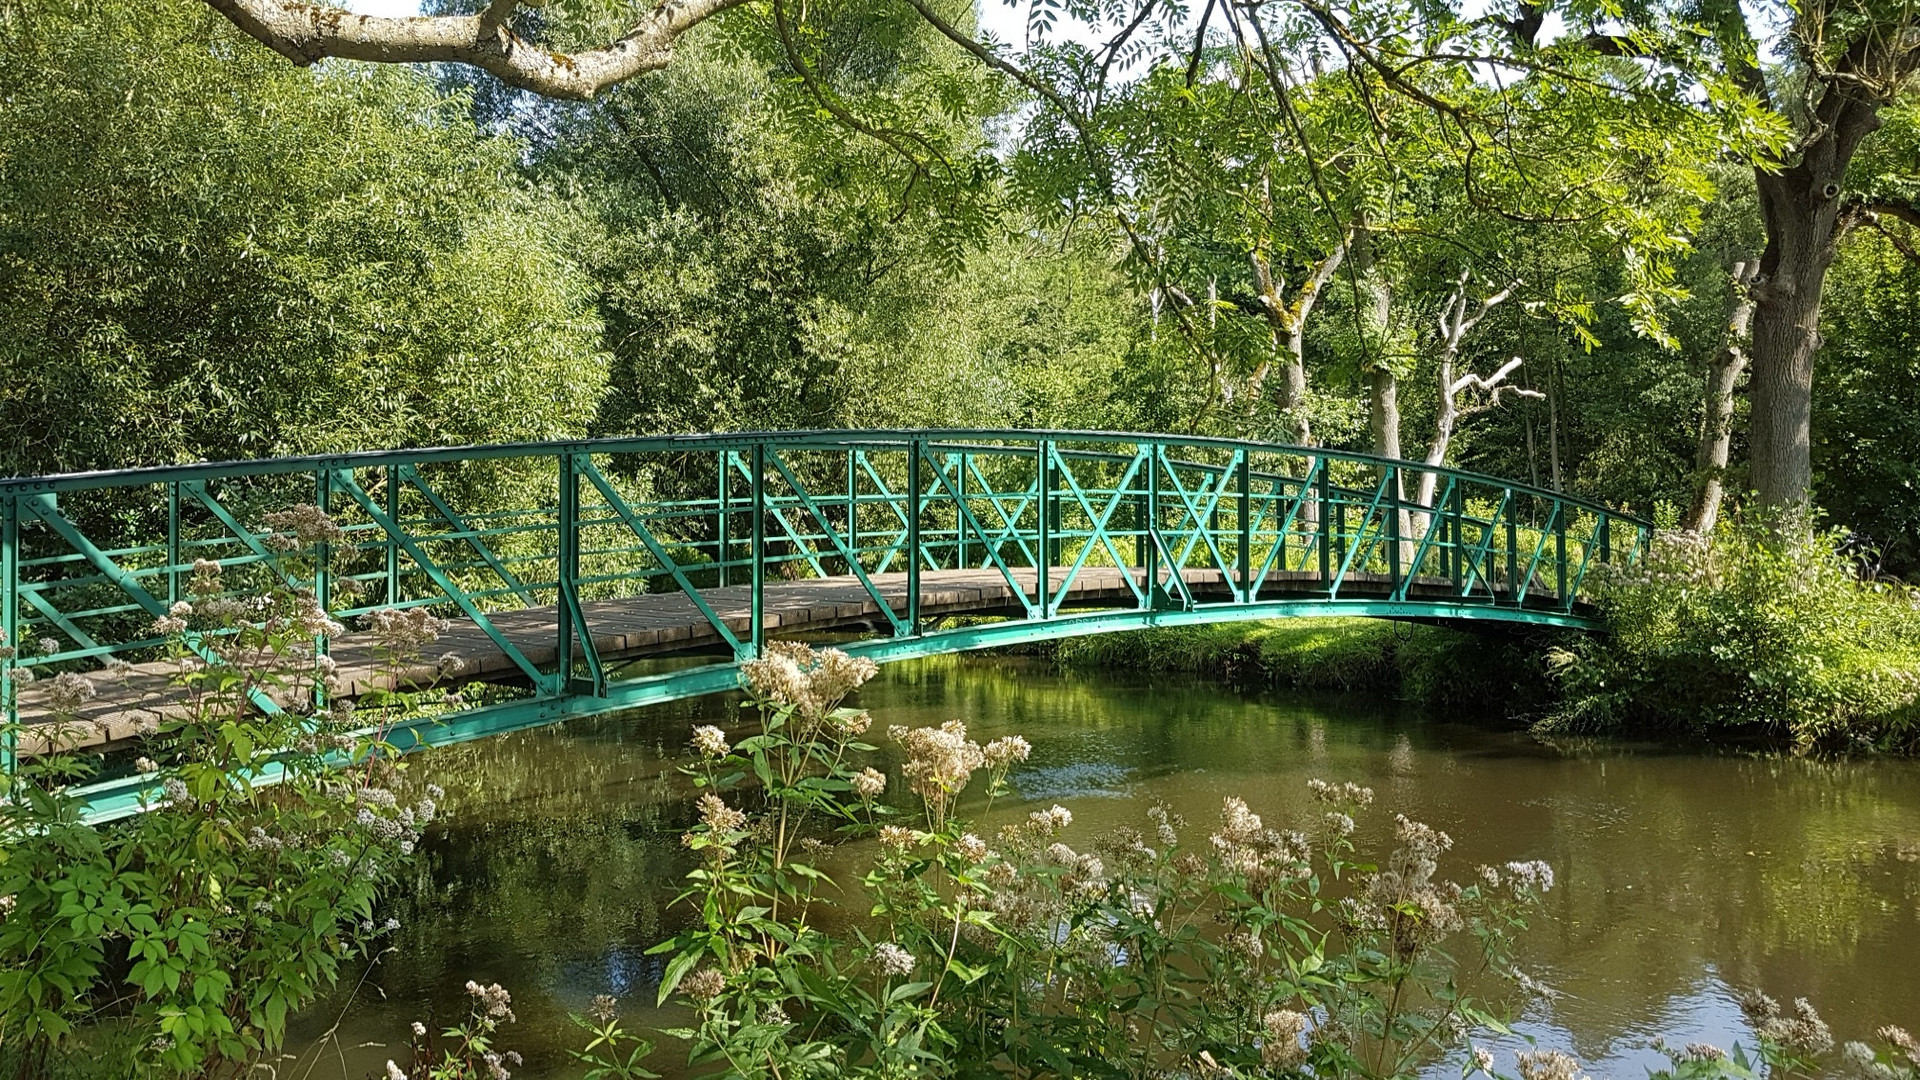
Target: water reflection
{"points": [[1681, 875]]}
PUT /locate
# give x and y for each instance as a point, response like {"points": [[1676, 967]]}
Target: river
{"points": [[1682, 876]]}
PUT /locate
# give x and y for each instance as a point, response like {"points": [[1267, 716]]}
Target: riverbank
{"points": [[1498, 669]]}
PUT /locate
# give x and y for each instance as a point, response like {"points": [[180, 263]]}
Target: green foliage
{"points": [[1765, 629], [1867, 403], [207, 253], [202, 924], [1255, 953], [1489, 671]]}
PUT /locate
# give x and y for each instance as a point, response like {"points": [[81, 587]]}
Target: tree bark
{"points": [[1800, 207], [306, 33], [1287, 323], [1716, 421]]}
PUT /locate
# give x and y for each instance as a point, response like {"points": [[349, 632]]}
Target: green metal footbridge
{"points": [[582, 577]]}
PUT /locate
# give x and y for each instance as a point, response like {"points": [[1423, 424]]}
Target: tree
{"points": [[204, 253]]}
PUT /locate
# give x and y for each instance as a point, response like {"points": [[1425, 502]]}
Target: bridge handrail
{"points": [[895, 438]]}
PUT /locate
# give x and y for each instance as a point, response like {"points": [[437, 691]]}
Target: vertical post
{"points": [[1513, 554], [173, 542], [722, 532], [918, 449], [853, 511], [567, 563], [1603, 537], [1325, 539], [1043, 483], [1152, 530], [9, 623], [1393, 527], [323, 564], [323, 576], [393, 542], [1455, 535], [960, 516], [853, 500], [758, 611], [1560, 552], [1243, 550]]}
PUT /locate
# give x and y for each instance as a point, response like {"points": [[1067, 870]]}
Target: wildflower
{"points": [[1052, 819], [452, 700], [496, 1069], [69, 691], [856, 724], [1003, 752], [419, 1030], [405, 631], [1339, 824], [395, 1072], [1483, 1060], [1803, 1031], [1238, 825], [940, 760], [1530, 875], [8, 652], [1899, 1039], [719, 817], [704, 984], [710, 741], [892, 960], [450, 663], [49, 646], [145, 765], [896, 837], [180, 609], [776, 678], [305, 525], [1162, 820], [1282, 1047], [168, 625], [492, 999], [972, 848], [175, 790], [1702, 1052], [1421, 838], [774, 1014], [7, 904], [312, 619], [1548, 1065], [811, 683], [869, 783], [605, 1007]]}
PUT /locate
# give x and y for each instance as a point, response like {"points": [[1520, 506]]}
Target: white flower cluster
{"points": [[812, 683]]}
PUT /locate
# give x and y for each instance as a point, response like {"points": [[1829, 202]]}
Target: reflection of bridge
{"points": [[902, 543]]}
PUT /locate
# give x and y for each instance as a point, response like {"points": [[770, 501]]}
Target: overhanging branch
{"points": [[306, 33]]}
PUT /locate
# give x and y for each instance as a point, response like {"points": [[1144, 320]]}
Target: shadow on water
{"points": [[1682, 876]]}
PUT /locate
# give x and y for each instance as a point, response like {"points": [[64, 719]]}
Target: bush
{"points": [[1766, 628], [188, 935]]}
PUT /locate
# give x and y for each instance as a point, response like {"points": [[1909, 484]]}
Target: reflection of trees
{"points": [[556, 865]]}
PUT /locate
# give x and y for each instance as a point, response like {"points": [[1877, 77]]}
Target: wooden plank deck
{"points": [[655, 624]]}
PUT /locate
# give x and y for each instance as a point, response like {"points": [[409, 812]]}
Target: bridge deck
{"points": [[665, 623]]}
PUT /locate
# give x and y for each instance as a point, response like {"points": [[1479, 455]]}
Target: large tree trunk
{"points": [[1716, 422], [1800, 206]]}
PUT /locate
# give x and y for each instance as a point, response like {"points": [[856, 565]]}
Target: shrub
{"points": [[1765, 628], [1255, 951], [199, 926]]}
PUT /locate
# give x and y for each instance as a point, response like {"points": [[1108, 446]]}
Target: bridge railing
{"points": [[530, 543]]}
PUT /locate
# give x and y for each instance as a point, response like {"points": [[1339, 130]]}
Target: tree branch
{"points": [[307, 33]]}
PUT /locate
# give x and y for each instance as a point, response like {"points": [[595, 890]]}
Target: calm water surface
{"points": [[1682, 876]]}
